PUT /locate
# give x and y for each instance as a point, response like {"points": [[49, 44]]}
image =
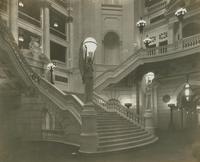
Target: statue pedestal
{"points": [[149, 124], [89, 136]]}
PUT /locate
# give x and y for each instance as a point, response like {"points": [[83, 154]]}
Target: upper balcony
{"points": [[186, 46]]}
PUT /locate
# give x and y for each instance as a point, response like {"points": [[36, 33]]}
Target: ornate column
{"points": [[45, 24], [148, 114], [13, 16]]}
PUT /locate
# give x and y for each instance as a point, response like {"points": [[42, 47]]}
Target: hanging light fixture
{"points": [[141, 24], [187, 91], [147, 41]]}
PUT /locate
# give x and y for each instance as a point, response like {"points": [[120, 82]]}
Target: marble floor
{"points": [[171, 147]]}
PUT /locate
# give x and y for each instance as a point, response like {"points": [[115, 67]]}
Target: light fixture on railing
{"points": [[141, 24], [180, 13], [147, 41], [21, 4], [51, 66], [128, 105]]}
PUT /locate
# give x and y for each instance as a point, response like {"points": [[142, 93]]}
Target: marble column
{"points": [[13, 16], [45, 24]]}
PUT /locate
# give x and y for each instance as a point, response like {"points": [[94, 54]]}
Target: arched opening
{"points": [[111, 49], [47, 121], [191, 29]]}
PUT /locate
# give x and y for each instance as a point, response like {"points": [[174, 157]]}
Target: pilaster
{"points": [[13, 16], [45, 20]]}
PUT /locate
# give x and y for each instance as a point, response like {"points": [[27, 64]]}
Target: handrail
{"points": [[43, 86], [143, 54], [120, 109]]}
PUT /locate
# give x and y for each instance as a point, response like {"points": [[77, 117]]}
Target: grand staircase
{"points": [[117, 133], [114, 131]]}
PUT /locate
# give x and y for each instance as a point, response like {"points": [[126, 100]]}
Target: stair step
{"points": [[122, 135], [119, 132], [127, 144], [113, 130], [110, 120], [120, 125], [124, 139], [99, 123], [145, 142]]}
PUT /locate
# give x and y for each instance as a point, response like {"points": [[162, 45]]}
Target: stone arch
{"points": [[111, 48], [190, 29]]}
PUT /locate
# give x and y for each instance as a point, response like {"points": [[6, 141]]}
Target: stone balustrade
{"points": [[163, 53]]}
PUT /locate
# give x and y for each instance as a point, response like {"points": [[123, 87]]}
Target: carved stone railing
{"points": [[119, 109], [31, 78], [191, 41], [161, 53]]}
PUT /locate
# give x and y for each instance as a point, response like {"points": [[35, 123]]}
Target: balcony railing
{"points": [[58, 33], [29, 19], [163, 53]]}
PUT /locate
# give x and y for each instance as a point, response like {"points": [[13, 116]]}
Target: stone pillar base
{"points": [[89, 136], [149, 124]]}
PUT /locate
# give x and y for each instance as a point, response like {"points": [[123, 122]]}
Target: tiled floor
{"points": [[171, 147]]}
